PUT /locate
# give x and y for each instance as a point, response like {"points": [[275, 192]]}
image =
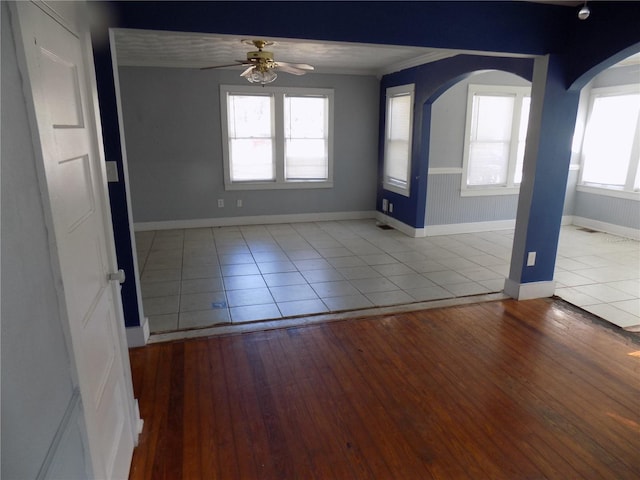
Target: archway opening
{"points": [[598, 255]]}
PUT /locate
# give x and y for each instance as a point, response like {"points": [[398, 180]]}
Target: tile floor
{"points": [[601, 274], [196, 278]]}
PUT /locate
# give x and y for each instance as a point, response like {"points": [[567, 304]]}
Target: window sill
{"points": [[395, 189], [609, 192], [277, 186], [489, 191]]}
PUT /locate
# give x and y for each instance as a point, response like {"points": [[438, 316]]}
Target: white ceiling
{"points": [[195, 50]]}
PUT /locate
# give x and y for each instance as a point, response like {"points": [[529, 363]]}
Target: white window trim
{"points": [[278, 121], [609, 192], [627, 191], [391, 92], [488, 190]]}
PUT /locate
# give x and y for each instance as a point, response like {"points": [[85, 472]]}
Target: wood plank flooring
{"points": [[500, 390]]}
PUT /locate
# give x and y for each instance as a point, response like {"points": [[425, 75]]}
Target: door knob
{"points": [[118, 276]]}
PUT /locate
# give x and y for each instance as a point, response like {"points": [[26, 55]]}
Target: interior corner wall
{"points": [[118, 198], [173, 141], [39, 397]]}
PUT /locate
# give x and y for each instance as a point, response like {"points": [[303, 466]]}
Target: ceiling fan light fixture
{"points": [[261, 65], [584, 12], [262, 76]]}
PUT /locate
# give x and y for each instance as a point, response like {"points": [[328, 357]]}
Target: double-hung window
{"points": [[277, 137], [495, 134], [611, 145], [397, 139], [306, 138], [251, 138]]}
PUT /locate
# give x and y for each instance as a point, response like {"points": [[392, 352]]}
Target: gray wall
{"points": [[42, 426], [617, 211], [174, 151], [444, 203], [602, 208]]}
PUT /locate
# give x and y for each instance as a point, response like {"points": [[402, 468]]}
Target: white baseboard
{"points": [[475, 227], [400, 226], [567, 220], [528, 291], [607, 227], [138, 336], [139, 422], [471, 227], [252, 220]]}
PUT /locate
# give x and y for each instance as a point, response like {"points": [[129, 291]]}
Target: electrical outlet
{"points": [[531, 259], [220, 202], [390, 207], [239, 203], [385, 205]]}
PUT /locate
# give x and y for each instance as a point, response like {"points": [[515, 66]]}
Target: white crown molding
{"points": [[420, 60]]}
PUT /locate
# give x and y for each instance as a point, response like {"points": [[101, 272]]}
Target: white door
{"points": [[58, 77]]}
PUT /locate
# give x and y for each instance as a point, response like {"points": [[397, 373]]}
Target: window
{"points": [[251, 138], [306, 138], [611, 145], [277, 137], [495, 135], [397, 140]]}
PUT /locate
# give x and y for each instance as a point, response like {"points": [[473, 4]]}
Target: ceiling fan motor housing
{"points": [[260, 55]]}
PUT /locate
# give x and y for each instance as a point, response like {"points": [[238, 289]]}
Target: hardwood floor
{"points": [[500, 390]]}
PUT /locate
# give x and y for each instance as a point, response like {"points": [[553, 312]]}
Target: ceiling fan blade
{"points": [[238, 62], [287, 67], [300, 66], [247, 71]]}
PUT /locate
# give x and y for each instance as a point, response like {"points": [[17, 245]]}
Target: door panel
{"points": [[60, 76], [78, 203], [57, 66]]}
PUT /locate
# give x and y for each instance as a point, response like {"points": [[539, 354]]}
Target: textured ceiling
{"points": [[195, 50]]}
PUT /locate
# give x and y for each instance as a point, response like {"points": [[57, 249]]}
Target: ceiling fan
{"points": [[262, 66]]}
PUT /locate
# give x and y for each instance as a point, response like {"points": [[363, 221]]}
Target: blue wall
{"points": [[610, 34], [582, 49], [501, 26], [559, 110], [117, 193]]}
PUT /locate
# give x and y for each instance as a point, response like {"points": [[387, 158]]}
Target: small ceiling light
{"points": [[584, 12]]}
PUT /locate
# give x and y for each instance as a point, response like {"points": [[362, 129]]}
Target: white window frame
{"points": [[633, 170], [278, 94], [389, 183], [510, 188]]}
